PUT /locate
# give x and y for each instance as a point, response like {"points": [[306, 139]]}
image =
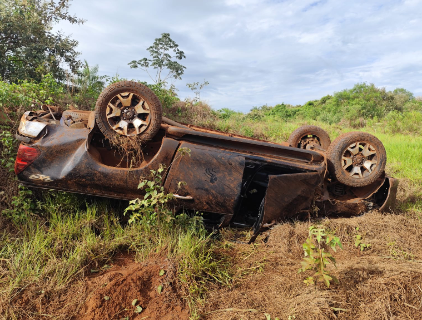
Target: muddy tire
{"points": [[128, 109], [356, 159], [306, 136]]}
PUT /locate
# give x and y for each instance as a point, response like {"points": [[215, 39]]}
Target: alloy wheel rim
{"points": [[359, 160], [128, 114]]}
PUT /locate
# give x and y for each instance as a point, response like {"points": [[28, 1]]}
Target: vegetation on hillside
{"points": [[363, 106], [50, 241]]}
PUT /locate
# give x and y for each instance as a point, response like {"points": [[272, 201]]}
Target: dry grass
{"points": [[195, 113], [384, 282]]}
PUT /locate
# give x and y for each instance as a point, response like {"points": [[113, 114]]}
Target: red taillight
{"points": [[26, 155]]}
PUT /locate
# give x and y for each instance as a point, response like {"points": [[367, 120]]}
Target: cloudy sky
{"points": [[256, 52]]}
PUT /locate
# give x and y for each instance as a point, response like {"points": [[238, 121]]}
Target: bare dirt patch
{"points": [[111, 295], [106, 295]]}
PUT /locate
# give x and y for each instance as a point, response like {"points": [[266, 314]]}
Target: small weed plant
{"points": [[22, 206], [196, 87], [359, 241], [152, 208], [397, 253], [317, 257]]}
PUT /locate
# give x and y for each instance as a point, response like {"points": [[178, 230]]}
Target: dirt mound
{"points": [[107, 293], [126, 289]]}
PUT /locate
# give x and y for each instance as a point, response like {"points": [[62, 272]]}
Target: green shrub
{"points": [[167, 96], [18, 97], [22, 206], [86, 87], [258, 113], [317, 258], [151, 209], [226, 113], [8, 146], [407, 122], [286, 112]]}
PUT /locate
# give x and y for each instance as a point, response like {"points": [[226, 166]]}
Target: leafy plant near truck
{"points": [[317, 256]]}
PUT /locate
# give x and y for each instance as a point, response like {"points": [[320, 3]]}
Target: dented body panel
{"points": [[67, 164], [211, 177], [233, 180]]}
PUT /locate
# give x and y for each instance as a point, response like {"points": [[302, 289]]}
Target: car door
{"points": [[206, 179]]}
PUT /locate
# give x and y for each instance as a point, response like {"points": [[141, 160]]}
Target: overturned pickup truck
{"points": [[231, 179]]}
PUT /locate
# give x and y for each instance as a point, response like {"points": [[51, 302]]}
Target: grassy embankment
{"points": [[51, 241]]}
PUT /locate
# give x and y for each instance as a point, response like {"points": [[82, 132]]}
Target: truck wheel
{"points": [[130, 109], [356, 159], [306, 136]]}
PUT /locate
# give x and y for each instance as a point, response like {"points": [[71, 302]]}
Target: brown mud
{"points": [[128, 287], [123, 290]]}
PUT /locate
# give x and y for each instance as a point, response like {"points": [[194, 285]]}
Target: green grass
{"points": [[60, 238], [71, 235], [404, 152], [404, 156]]}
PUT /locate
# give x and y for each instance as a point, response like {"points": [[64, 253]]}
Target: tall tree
{"points": [[28, 46], [161, 59]]}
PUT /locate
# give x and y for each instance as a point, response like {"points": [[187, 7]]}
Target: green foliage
{"points": [[226, 113], [202, 264], [29, 49], [248, 132], [152, 209], [405, 94], [181, 234], [311, 111], [87, 86], [117, 78], [317, 258], [283, 111], [167, 96], [406, 122], [76, 233], [162, 59], [8, 146], [15, 98], [363, 105], [258, 113], [359, 241], [22, 206], [55, 250]]}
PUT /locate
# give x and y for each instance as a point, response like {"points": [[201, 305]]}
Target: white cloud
{"points": [[255, 52]]}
